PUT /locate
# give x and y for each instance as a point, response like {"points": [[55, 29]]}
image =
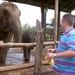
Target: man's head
{"points": [[67, 21]]}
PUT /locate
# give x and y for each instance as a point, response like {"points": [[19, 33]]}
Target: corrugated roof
{"points": [[65, 5]]}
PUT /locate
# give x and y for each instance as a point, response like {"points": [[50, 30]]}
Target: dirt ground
{"points": [[15, 57]]}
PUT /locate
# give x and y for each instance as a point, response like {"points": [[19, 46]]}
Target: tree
{"points": [[28, 27], [52, 21]]}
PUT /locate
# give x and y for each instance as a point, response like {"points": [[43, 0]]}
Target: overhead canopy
{"points": [[65, 5]]}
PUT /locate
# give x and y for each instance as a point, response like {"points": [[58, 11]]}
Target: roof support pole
{"points": [[45, 26], [43, 17], [55, 21], [42, 14], [58, 27]]}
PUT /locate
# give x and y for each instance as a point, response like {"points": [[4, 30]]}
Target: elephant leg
{"points": [[3, 51], [3, 54], [27, 54]]}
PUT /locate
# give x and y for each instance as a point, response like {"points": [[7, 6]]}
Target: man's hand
{"points": [[50, 55], [51, 50]]}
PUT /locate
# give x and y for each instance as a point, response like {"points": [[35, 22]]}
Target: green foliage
{"points": [[28, 27], [52, 20]]}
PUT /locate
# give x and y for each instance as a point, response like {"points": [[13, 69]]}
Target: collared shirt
{"points": [[66, 66]]}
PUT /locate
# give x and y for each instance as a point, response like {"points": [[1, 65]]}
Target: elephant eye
{"points": [[6, 13]]}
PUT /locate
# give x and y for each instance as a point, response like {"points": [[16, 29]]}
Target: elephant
{"points": [[28, 37], [10, 26]]}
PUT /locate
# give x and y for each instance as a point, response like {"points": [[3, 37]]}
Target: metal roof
{"points": [[65, 5]]}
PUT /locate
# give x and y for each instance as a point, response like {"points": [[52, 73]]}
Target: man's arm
{"points": [[66, 54]]}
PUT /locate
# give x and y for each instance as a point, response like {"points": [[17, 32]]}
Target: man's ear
{"points": [[66, 23]]}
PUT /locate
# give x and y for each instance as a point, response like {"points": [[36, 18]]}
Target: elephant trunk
{"points": [[27, 53], [17, 31]]}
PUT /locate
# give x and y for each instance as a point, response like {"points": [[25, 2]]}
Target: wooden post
{"points": [[42, 14], [56, 21], [45, 26], [58, 29], [39, 48]]}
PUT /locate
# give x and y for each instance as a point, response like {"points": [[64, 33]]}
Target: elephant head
{"points": [[9, 25], [10, 22]]}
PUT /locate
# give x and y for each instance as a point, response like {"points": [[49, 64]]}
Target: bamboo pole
{"points": [[56, 21], [25, 44], [18, 67]]}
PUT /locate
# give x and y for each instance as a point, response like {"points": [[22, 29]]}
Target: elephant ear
{"points": [[6, 13]]}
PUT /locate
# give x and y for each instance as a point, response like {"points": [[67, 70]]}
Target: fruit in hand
{"points": [[49, 61]]}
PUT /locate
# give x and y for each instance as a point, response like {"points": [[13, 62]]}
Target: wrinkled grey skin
{"points": [[28, 37], [9, 25]]}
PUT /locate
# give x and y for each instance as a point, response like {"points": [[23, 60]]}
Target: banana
{"points": [[49, 61], [52, 62], [46, 58]]}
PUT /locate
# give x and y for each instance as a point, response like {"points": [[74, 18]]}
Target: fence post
{"points": [[39, 48]]}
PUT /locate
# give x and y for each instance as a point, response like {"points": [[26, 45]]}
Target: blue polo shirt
{"points": [[66, 66]]}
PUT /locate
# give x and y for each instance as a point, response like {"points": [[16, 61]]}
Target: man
{"points": [[65, 53]]}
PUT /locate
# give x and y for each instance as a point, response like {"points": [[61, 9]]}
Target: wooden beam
{"points": [[35, 1], [48, 3], [63, 1], [18, 67], [61, 7], [72, 8], [67, 8], [4, 45], [26, 1]]}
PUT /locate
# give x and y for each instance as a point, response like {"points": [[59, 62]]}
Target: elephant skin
{"points": [[10, 26], [28, 37]]}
